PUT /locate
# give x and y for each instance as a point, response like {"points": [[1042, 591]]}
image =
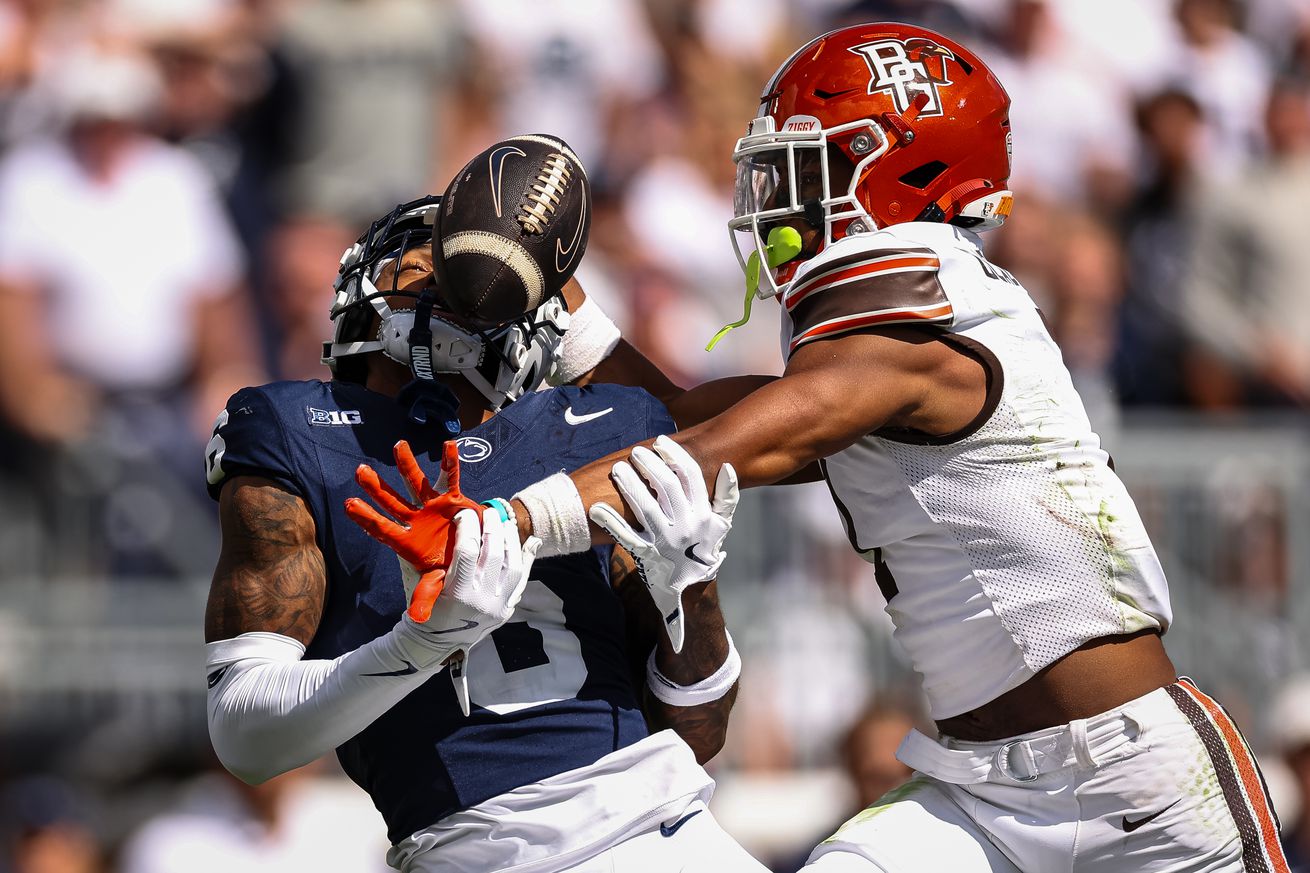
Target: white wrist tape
{"points": [[588, 341], [707, 690], [270, 711], [559, 519]]}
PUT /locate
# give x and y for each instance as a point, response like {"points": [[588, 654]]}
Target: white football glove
{"points": [[483, 585], [682, 534]]}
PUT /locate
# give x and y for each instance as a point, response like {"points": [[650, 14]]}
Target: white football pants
{"points": [[691, 843], [1163, 784]]}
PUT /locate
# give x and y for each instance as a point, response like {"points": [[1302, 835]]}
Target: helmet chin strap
{"points": [[430, 403], [813, 213]]}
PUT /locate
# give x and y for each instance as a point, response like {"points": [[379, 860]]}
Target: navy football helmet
{"points": [[503, 363]]}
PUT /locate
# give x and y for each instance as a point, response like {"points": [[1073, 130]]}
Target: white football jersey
{"points": [[1005, 546]]}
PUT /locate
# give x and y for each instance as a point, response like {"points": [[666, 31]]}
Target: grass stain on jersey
{"points": [[1104, 523]]}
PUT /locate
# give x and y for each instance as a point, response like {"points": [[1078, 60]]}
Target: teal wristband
{"points": [[500, 505]]}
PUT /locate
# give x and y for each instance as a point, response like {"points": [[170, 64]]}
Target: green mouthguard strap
{"points": [[784, 243]]}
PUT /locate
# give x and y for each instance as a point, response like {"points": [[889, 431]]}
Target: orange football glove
{"points": [[420, 529]]}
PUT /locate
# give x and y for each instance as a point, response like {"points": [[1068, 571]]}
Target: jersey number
{"points": [[991, 271], [214, 452], [531, 660]]}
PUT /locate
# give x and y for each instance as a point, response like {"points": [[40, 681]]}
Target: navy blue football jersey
{"points": [[550, 689]]}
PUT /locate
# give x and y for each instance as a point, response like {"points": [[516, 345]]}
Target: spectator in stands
{"points": [[1071, 157], [36, 36], [122, 315], [576, 68], [379, 83], [223, 825], [45, 827], [868, 757], [1245, 295], [118, 268], [1071, 263], [954, 19], [228, 96], [869, 752], [1151, 341], [304, 255], [1087, 282], [686, 279], [1228, 73], [1128, 45]]}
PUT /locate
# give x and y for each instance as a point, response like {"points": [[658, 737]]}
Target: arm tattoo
{"points": [[270, 574], [704, 650]]}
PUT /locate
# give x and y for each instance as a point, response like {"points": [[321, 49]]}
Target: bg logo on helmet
{"points": [[906, 69]]}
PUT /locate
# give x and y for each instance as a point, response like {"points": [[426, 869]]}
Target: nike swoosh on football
{"points": [[1130, 826], [572, 250], [670, 830], [469, 624], [409, 670], [695, 557], [575, 420], [496, 164]]}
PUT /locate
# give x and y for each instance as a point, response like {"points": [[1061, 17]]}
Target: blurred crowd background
{"points": [[178, 179]]}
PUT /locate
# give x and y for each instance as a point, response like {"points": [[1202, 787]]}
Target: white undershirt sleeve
{"points": [[270, 711]]}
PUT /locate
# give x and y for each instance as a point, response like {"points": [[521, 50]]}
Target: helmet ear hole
{"points": [[356, 323], [923, 175]]}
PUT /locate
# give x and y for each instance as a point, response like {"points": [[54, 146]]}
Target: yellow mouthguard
{"points": [[783, 244]]}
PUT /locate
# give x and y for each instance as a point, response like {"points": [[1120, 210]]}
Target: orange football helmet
{"points": [[921, 119]]}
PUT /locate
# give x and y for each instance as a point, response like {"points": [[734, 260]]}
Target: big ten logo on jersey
{"points": [[906, 69], [330, 417]]}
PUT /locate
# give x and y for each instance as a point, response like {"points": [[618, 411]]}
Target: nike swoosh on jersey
{"points": [[409, 670], [572, 250], [576, 420], [496, 164], [670, 830], [217, 676], [469, 624], [695, 557], [1130, 826]]}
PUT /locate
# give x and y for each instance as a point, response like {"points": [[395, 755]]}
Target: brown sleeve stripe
{"points": [[840, 274], [1239, 777], [917, 315]]}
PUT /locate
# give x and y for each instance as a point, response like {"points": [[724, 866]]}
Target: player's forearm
{"points": [[703, 402], [270, 712], [595, 353], [703, 726], [627, 366], [770, 435]]}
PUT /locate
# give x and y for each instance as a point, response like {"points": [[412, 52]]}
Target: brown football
{"points": [[513, 226]]}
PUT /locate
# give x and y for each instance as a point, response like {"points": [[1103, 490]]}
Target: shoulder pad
{"points": [[877, 282], [249, 439]]}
